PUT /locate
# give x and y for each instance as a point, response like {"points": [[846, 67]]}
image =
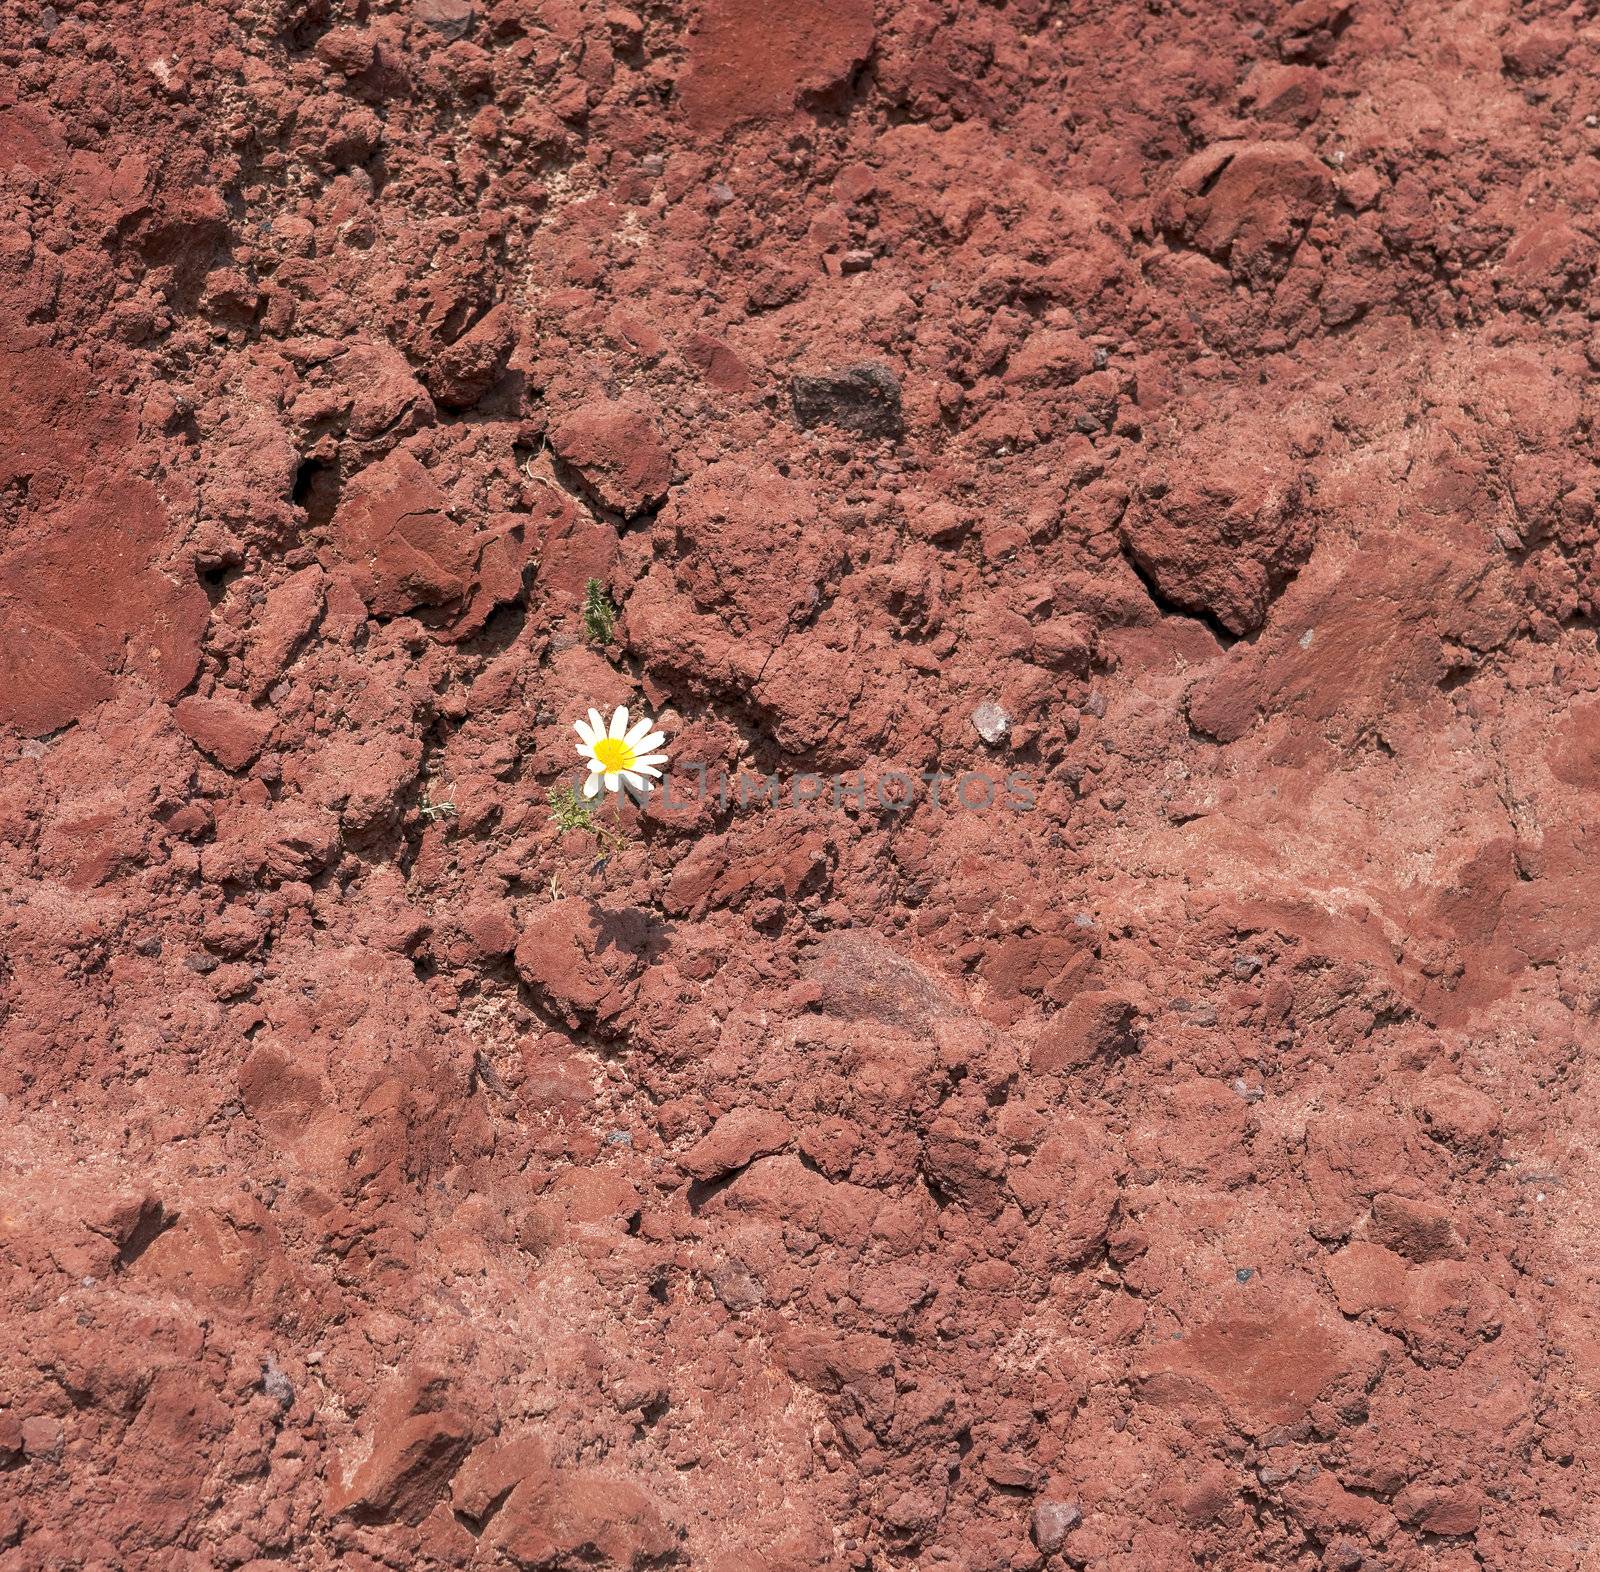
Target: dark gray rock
{"points": [[864, 398]]}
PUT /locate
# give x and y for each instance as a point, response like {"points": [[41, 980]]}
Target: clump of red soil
{"points": [[1176, 1152]]}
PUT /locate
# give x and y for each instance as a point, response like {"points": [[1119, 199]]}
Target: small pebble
{"points": [[1053, 1521], [1244, 1274], [991, 722], [42, 1436], [276, 1384]]}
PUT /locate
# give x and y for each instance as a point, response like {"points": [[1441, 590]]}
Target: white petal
{"points": [[645, 744], [619, 720], [635, 781], [591, 786], [583, 730], [595, 766], [651, 758], [637, 731], [648, 769], [611, 780], [597, 724], [586, 751]]}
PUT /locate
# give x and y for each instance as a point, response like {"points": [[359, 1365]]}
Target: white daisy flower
{"points": [[619, 757]]}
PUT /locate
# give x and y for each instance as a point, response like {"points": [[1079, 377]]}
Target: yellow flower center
{"points": [[614, 754]]}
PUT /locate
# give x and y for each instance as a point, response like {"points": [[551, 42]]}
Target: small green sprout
{"points": [[599, 614], [568, 811]]}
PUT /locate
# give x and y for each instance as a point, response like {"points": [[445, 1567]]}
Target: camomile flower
{"points": [[619, 757]]}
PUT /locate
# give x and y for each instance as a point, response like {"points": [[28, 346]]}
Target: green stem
{"points": [[616, 837]]}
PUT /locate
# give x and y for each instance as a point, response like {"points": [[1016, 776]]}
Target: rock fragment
{"points": [[1246, 204], [394, 529], [1052, 1522], [450, 19], [418, 1443], [751, 61], [1094, 1025], [1220, 533], [735, 1139], [616, 455], [461, 373], [863, 398], [991, 722], [231, 732], [584, 959]]}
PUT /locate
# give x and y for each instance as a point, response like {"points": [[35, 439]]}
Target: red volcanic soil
{"points": [[1173, 1146]]}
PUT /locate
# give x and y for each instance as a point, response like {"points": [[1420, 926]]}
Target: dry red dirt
{"points": [[1194, 1171]]}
